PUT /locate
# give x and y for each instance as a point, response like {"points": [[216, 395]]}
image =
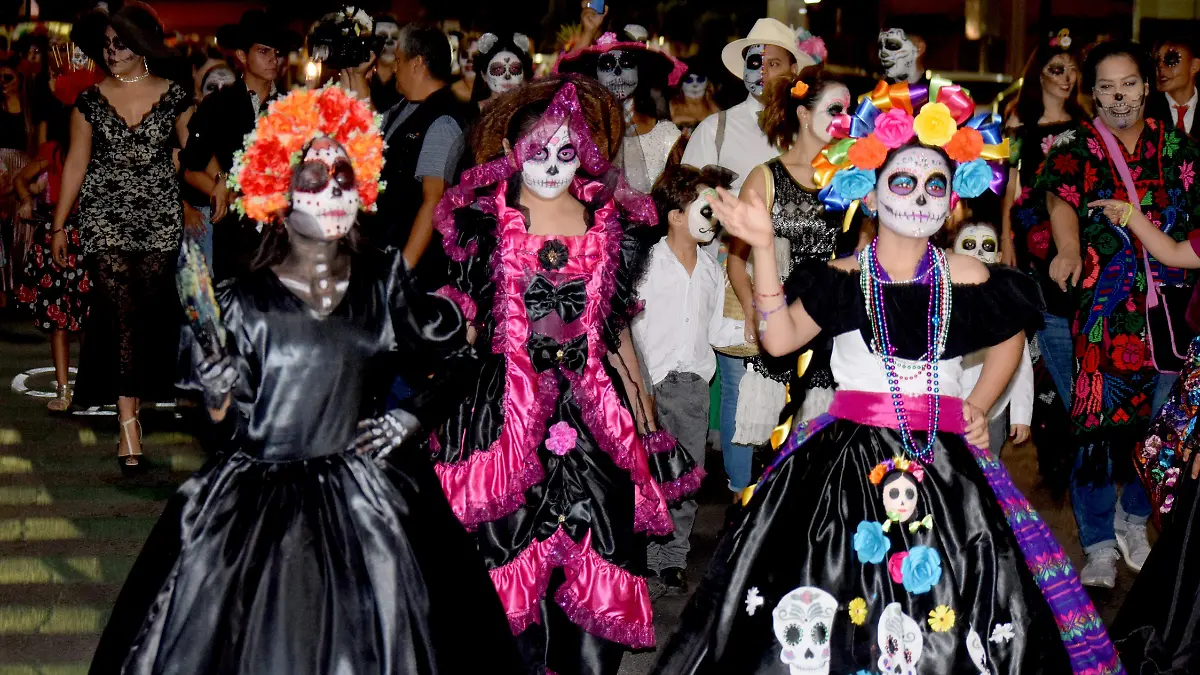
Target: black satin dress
{"points": [[287, 553]]}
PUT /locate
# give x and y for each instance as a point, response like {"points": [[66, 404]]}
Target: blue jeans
{"points": [[1058, 352], [738, 458]]}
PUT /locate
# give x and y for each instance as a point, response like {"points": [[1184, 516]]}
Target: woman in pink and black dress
{"points": [[551, 461]]}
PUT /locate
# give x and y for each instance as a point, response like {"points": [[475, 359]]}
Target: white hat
{"points": [[765, 32]]}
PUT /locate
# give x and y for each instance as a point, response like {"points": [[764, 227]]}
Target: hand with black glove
{"points": [[378, 436], [217, 375]]}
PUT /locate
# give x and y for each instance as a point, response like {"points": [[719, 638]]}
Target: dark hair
{"points": [[480, 90], [1180, 38], [429, 43], [1029, 107], [139, 28], [1134, 50], [676, 186], [779, 120]]}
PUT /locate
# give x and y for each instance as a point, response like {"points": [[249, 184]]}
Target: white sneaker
{"points": [[1131, 540], [1101, 569]]}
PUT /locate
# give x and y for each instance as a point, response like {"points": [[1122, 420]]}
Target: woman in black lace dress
{"points": [[130, 216]]}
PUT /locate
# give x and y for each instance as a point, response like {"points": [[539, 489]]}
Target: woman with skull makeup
{"points": [[695, 100], [1118, 383], [916, 552], [308, 545], [122, 172], [555, 459], [505, 64], [637, 76]]}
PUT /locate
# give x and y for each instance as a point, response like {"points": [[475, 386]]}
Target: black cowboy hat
{"points": [[257, 27]]}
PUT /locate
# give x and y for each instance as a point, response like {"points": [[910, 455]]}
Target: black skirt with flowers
{"points": [[57, 297]]}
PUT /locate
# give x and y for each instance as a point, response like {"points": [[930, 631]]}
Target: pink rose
{"points": [[562, 438], [894, 564], [894, 128]]}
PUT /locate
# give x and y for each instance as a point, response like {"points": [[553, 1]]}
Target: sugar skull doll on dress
{"points": [[915, 551], [552, 460]]}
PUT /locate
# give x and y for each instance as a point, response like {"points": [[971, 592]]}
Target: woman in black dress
{"points": [[130, 217], [301, 548]]}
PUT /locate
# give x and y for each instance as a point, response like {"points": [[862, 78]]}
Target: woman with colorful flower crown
{"points": [[307, 545], [554, 461], [914, 551]]}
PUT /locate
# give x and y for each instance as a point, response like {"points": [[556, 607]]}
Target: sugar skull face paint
{"points": [[548, 173], [1120, 92], [978, 240], [694, 86], [913, 193], [898, 56], [216, 79], [833, 102], [752, 71], [119, 58], [390, 33], [702, 224], [504, 72], [617, 70], [325, 193]]}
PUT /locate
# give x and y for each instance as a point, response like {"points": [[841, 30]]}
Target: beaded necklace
{"points": [[873, 279]]}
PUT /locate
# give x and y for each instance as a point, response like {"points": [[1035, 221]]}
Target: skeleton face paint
{"points": [[504, 72], [900, 496], [900, 641], [913, 193], [215, 79], [978, 241], [119, 58], [548, 173], [454, 69], [752, 73], [833, 101], [466, 61], [694, 86], [79, 60], [618, 71], [1175, 69], [1120, 91], [390, 33], [1060, 76], [803, 624], [898, 56], [325, 195], [702, 224]]}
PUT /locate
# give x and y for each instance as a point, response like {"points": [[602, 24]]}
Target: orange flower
{"points": [[965, 145], [867, 153], [877, 474]]}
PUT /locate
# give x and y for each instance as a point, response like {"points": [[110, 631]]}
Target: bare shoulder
{"points": [[847, 264], [754, 182], [966, 270]]}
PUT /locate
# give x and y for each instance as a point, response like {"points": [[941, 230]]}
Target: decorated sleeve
{"points": [[1069, 169], [635, 248], [240, 349], [86, 104], [986, 314], [471, 286], [830, 296]]}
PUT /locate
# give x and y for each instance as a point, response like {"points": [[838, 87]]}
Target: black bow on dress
{"points": [[568, 299], [546, 352]]}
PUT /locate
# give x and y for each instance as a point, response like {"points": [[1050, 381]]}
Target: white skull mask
{"points": [[390, 33], [217, 78], [900, 496], [978, 240], [548, 172], [694, 86], [898, 56], [454, 44], [752, 71], [803, 623], [900, 642], [617, 70], [913, 193], [504, 72], [702, 223], [325, 195]]}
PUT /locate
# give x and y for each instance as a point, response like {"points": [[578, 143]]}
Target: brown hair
{"points": [[779, 120], [676, 186]]}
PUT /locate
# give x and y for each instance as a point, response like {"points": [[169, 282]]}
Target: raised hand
{"points": [[747, 220]]}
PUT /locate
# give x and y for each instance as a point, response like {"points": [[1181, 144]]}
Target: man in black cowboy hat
{"points": [[221, 122]]}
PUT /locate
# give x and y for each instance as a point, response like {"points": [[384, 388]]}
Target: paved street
{"points": [[70, 525]]}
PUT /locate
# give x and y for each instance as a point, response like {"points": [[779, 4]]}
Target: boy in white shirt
{"points": [[683, 289]]}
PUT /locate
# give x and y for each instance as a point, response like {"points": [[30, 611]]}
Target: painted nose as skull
{"points": [[552, 171]]}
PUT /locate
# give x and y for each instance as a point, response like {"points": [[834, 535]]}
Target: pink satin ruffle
{"points": [[464, 301]]}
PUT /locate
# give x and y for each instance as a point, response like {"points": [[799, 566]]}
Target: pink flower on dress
{"points": [[1069, 195], [1047, 143], [562, 438], [895, 563], [1095, 147], [1187, 174]]}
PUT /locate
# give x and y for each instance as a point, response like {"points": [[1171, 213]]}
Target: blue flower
{"points": [[921, 569], [870, 543], [972, 178], [854, 183]]}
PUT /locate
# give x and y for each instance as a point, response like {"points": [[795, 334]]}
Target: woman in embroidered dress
{"points": [[549, 460], [915, 552]]}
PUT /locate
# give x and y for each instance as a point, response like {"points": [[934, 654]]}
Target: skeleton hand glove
{"points": [[378, 436]]}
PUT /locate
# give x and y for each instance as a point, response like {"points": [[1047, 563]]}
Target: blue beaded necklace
{"points": [[873, 279]]}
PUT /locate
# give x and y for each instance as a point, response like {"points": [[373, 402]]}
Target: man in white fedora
{"points": [[731, 138]]}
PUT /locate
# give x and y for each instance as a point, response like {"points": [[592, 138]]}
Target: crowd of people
{"points": [[459, 316]]}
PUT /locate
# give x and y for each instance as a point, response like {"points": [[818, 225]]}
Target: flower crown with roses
{"points": [[940, 115], [262, 171], [909, 466]]}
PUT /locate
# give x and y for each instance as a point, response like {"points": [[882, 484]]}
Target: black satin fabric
{"points": [[1157, 631], [288, 554], [798, 531]]}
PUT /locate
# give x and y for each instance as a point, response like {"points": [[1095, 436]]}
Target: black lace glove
{"points": [[379, 436]]}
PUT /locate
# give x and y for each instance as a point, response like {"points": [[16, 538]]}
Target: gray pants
{"points": [[998, 432], [682, 403]]}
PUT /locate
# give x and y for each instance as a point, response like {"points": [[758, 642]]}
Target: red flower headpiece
{"points": [[262, 172]]}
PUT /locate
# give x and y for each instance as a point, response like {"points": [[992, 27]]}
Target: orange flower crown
{"points": [[262, 171]]}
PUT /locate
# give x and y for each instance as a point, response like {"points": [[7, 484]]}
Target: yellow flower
{"points": [[934, 124], [858, 611], [901, 463], [941, 619]]}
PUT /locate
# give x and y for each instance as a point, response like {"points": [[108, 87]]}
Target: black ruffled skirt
{"points": [[320, 566]]}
